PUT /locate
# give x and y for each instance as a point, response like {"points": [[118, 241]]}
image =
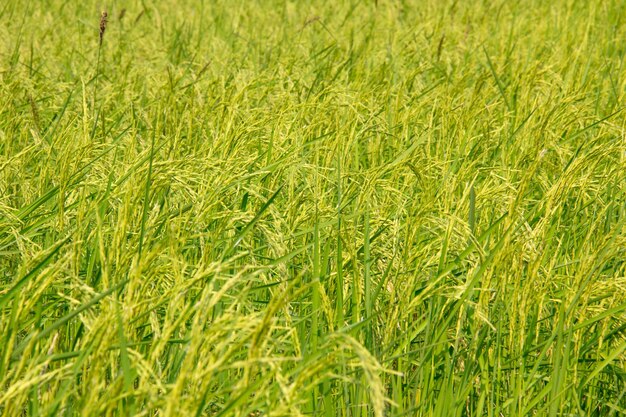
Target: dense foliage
{"points": [[290, 208]]}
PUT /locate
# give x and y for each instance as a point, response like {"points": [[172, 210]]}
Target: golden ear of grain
{"points": [[103, 24]]}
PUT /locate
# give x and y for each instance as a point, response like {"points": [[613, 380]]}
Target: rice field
{"points": [[288, 208]]}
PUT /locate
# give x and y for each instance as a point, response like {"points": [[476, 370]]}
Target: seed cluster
{"points": [[103, 24]]}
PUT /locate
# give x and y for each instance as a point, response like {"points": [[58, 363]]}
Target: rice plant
{"points": [[280, 208]]}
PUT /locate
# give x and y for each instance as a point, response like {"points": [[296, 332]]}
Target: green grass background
{"points": [[352, 208]]}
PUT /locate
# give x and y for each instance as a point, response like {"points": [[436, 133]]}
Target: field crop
{"points": [[311, 208]]}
